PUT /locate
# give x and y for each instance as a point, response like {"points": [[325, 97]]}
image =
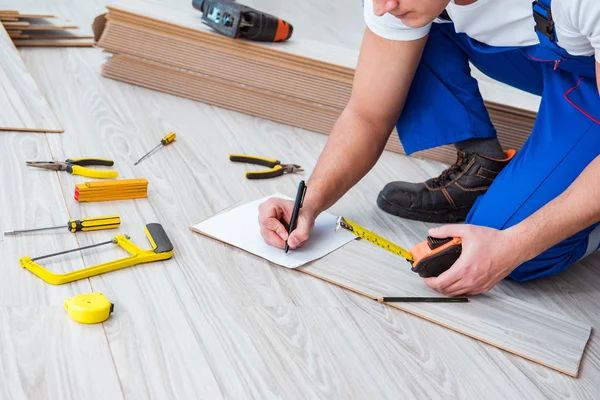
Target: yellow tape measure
{"points": [[89, 308], [372, 238]]}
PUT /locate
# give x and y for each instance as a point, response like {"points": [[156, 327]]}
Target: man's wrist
{"points": [[315, 201], [520, 242], [312, 205]]}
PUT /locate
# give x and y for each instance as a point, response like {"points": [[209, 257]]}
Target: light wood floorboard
{"points": [[43, 354], [22, 106], [215, 322]]}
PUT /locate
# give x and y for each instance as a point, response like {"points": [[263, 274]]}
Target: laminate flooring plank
{"points": [[533, 333], [574, 292], [43, 354], [23, 106], [53, 43], [46, 355], [171, 19], [77, 34], [408, 232]]}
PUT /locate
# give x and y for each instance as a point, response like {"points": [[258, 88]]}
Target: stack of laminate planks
{"points": [[300, 82], [42, 30]]}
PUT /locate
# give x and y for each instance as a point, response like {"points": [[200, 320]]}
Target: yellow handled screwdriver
{"points": [[164, 142], [80, 225]]}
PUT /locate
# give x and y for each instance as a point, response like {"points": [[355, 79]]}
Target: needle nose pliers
{"points": [[276, 167], [76, 166]]}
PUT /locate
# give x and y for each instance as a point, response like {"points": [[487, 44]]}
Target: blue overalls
{"points": [[444, 106]]}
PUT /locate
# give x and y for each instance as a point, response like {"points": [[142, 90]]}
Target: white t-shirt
{"points": [[506, 23]]}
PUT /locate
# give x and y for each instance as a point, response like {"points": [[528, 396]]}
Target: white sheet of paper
{"points": [[239, 227]]}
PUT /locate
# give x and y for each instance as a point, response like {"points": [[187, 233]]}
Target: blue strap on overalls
{"points": [[550, 50], [544, 25]]}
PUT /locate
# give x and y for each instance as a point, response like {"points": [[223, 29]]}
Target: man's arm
{"points": [[574, 210], [382, 79], [489, 255]]}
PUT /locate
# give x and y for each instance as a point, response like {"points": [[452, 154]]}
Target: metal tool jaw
{"points": [[162, 249], [291, 168], [51, 165]]}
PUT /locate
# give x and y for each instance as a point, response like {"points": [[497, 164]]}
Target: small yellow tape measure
{"points": [[89, 308], [372, 238]]}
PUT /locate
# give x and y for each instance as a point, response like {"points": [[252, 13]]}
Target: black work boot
{"points": [[447, 198]]}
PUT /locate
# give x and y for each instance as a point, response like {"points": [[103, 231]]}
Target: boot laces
{"points": [[452, 171]]}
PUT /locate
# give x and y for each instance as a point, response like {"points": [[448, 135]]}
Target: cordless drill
{"points": [[238, 21]]}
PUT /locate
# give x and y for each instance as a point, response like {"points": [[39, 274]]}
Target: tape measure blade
{"points": [[373, 238]]}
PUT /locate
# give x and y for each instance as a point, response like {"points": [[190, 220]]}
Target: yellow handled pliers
{"points": [[276, 167], [76, 166]]}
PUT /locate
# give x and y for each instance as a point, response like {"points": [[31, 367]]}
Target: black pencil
{"points": [[422, 299]]}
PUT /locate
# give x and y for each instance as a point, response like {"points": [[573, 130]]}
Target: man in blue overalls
{"points": [[528, 214]]}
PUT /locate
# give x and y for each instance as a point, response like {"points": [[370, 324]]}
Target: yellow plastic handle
{"points": [[94, 173], [168, 139], [266, 174], [95, 223]]}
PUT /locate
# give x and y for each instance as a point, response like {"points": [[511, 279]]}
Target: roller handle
{"points": [[158, 238]]}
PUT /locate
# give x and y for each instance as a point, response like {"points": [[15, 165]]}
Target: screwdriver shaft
{"points": [[83, 224], [163, 142], [147, 154], [32, 230], [73, 250]]}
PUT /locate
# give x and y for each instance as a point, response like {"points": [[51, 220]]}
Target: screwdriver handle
{"points": [[94, 224], [168, 139]]}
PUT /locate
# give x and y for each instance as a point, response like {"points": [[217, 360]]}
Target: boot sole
{"points": [[446, 217]]}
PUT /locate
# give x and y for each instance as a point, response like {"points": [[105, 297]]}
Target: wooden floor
{"points": [[215, 322]]}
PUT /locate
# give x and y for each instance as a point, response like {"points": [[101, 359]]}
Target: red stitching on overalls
{"points": [[575, 105], [539, 59], [556, 62]]}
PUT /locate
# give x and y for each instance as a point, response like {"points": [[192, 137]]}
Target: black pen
{"points": [[297, 206], [423, 299]]}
